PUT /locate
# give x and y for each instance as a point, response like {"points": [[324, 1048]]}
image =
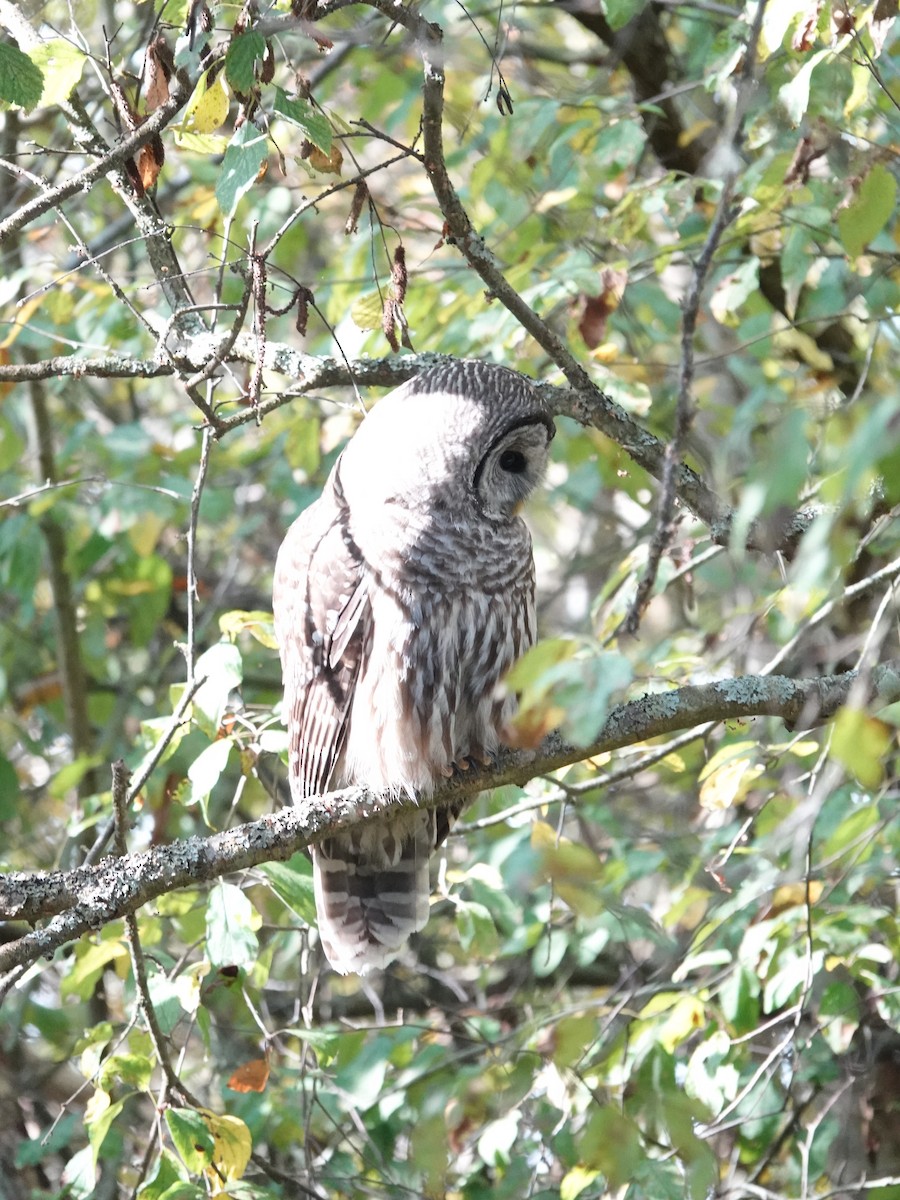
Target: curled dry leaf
{"points": [[596, 310], [159, 67], [327, 164], [360, 196], [399, 275], [250, 1076], [150, 161]]}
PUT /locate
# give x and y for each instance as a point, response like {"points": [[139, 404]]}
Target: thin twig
{"points": [[120, 798], [192, 590]]}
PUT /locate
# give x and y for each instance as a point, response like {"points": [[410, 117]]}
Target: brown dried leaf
{"points": [[267, 70], [842, 21], [159, 68], [327, 164], [150, 160], [250, 1077], [360, 196], [389, 322], [304, 299], [596, 311], [805, 34], [399, 276]]}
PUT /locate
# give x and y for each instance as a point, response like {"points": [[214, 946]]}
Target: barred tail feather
{"points": [[372, 890]]}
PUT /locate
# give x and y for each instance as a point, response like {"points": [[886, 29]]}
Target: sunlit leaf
{"points": [[191, 1137], [231, 922], [232, 1147], [301, 113], [250, 1076], [241, 58], [61, 63], [245, 157], [207, 108]]}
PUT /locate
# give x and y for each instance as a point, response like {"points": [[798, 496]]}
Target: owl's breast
{"points": [[429, 693]]}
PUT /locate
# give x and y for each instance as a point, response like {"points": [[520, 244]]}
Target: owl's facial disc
{"points": [[513, 467]]}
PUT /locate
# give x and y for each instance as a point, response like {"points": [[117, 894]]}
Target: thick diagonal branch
{"points": [[88, 898]]}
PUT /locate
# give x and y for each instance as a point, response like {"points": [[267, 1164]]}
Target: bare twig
{"points": [[684, 411]]}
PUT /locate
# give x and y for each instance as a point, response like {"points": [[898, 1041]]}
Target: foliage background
{"points": [[649, 975]]}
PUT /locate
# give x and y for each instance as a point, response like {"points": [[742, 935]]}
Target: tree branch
{"points": [[113, 159], [89, 897]]}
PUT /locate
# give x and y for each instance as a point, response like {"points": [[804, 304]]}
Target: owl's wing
{"points": [[322, 622]]}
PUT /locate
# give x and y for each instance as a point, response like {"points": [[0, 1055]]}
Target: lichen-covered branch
{"points": [[89, 897]]}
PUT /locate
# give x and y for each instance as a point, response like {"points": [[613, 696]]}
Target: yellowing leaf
{"points": [[575, 1181], [232, 1147], [22, 317], [790, 895], [61, 63], [687, 1016], [728, 776], [861, 742], [208, 107], [144, 534], [258, 624], [366, 311], [564, 862]]}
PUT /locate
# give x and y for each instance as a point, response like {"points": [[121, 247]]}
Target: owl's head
{"points": [[466, 439]]}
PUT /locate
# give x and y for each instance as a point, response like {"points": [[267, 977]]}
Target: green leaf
{"points": [[241, 58], [620, 12], [21, 79], [302, 114], [91, 961], [206, 770], [869, 211], [61, 64], [99, 1116], [167, 1176], [246, 153], [477, 931], [230, 923], [79, 1175], [221, 668], [611, 1143], [191, 1137], [9, 789], [134, 1070], [292, 882], [795, 95]]}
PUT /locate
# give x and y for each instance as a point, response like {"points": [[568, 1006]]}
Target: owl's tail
{"points": [[372, 888]]}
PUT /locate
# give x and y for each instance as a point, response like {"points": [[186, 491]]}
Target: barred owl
{"points": [[401, 598]]}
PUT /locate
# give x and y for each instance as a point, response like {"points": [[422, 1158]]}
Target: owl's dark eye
{"points": [[513, 461]]}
